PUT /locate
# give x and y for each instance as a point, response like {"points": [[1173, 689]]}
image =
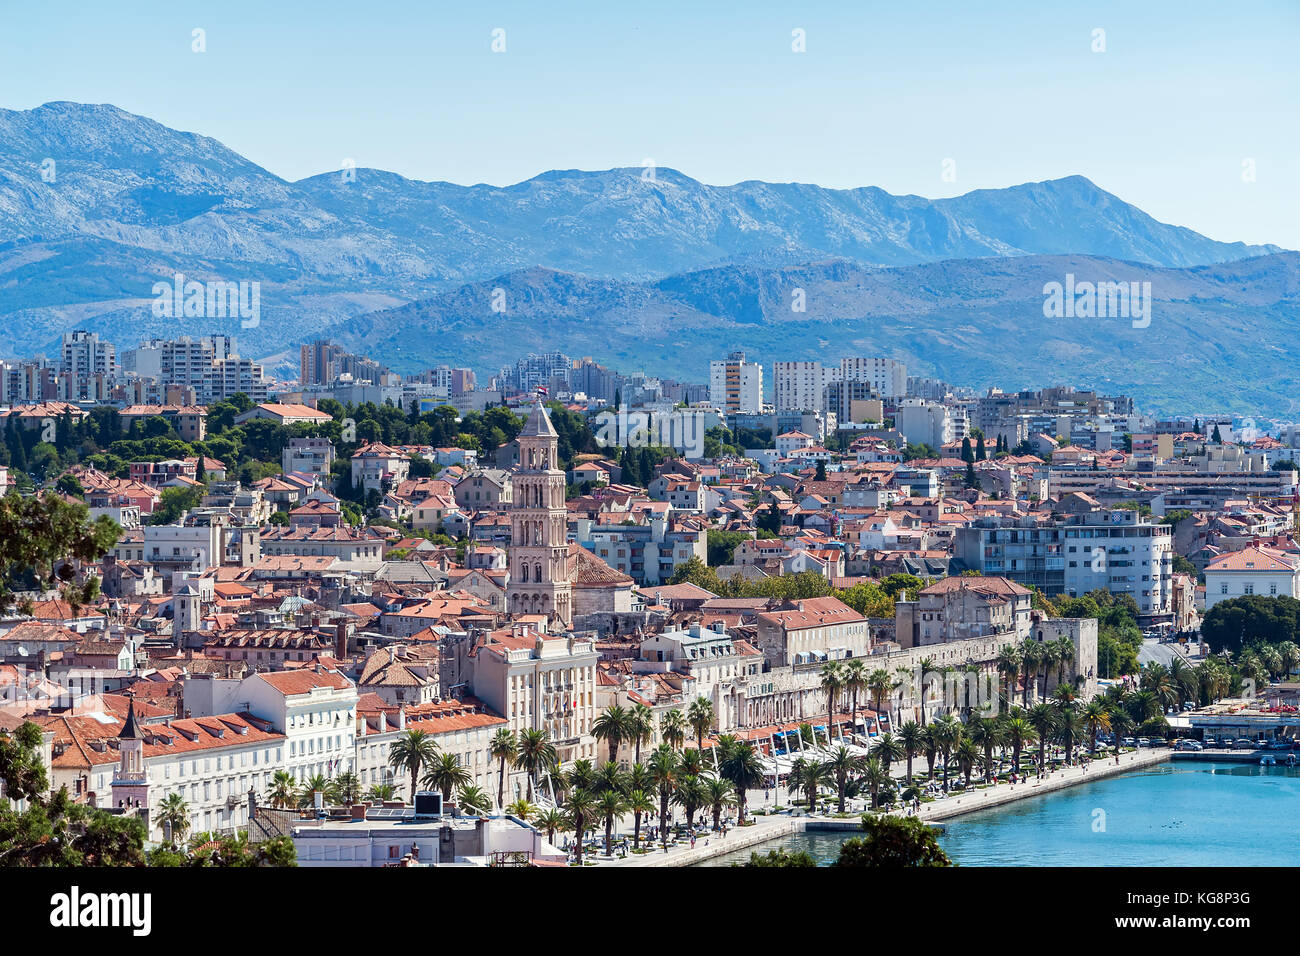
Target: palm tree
{"points": [[581, 807], [503, 748], [832, 683], [1019, 733], [583, 776], [875, 776], [641, 726], [1043, 718], [1065, 657], [174, 817], [889, 748], [843, 763], [690, 796], [664, 767], [808, 776], [381, 792], [968, 757], [346, 787], [700, 717], [910, 734], [284, 790], [640, 778], [610, 777], [692, 762], [1031, 655], [1071, 727], [446, 774], [930, 748], [743, 767], [1009, 665], [613, 726], [719, 795], [474, 800], [551, 821], [855, 682], [316, 783], [639, 803], [946, 733], [1048, 659], [926, 667], [672, 728], [609, 805], [1290, 654], [985, 732], [1184, 678], [412, 751], [521, 809], [536, 753], [1096, 719]]}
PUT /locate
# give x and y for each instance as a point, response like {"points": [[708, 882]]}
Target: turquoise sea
{"points": [[1174, 814]]}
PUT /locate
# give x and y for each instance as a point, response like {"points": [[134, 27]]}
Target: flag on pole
{"points": [[541, 390]]}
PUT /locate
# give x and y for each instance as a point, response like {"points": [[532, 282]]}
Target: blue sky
{"points": [[885, 92]]}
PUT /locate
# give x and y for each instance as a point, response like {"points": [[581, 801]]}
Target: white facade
{"points": [[887, 376], [736, 385], [800, 386], [1262, 571], [1120, 552]]}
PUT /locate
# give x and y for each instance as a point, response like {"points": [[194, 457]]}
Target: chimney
{"points": [[359, 812], [341, 640], [401, 717]]}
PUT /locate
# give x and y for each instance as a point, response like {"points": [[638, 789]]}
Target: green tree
{"points": [[412, 751], [893, 841]]}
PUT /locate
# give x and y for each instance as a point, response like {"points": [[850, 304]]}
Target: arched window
{"points": [[538, 572], [525, 570]]}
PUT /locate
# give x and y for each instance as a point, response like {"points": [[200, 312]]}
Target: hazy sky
{"points": [[1184, 93]]}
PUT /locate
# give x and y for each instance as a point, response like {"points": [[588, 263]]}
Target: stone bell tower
{"points": [[539, 551]]}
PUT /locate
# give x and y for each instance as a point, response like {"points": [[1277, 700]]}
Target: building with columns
{"points": [[539, 552]]}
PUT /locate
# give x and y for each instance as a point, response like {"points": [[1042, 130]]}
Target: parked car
{"points": [[1130, 742], [1210, 742], [1281, 743], [1243, 743]]}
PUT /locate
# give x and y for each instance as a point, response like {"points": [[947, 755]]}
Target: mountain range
{"points": [[641, 269]]}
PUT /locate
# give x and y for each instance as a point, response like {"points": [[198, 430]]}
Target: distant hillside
{"points": [[1217, 336], [97, 205]]}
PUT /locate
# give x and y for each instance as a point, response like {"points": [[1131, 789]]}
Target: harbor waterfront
{"points": [[1164, 813]]}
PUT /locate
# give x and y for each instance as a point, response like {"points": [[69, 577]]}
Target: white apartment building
{"points": [[315, 709], [540, 682], [800, 386], [457, 728], [1121, 552], [211, 762], [930, 423], [1252, 570], [886, 376], [85, 356], [736, 385]]}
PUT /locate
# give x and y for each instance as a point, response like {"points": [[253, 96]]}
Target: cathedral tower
{"points": [[539, 550]]}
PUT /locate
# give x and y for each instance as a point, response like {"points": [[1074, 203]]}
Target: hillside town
{"points": [[401, 620]]}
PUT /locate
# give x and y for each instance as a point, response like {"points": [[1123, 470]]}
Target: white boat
{"points": [[1290, 760], [1268, 760]]}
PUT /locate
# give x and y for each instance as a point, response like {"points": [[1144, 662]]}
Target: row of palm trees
{"points": [[635, 725], [588, 795], [970, 744]]}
